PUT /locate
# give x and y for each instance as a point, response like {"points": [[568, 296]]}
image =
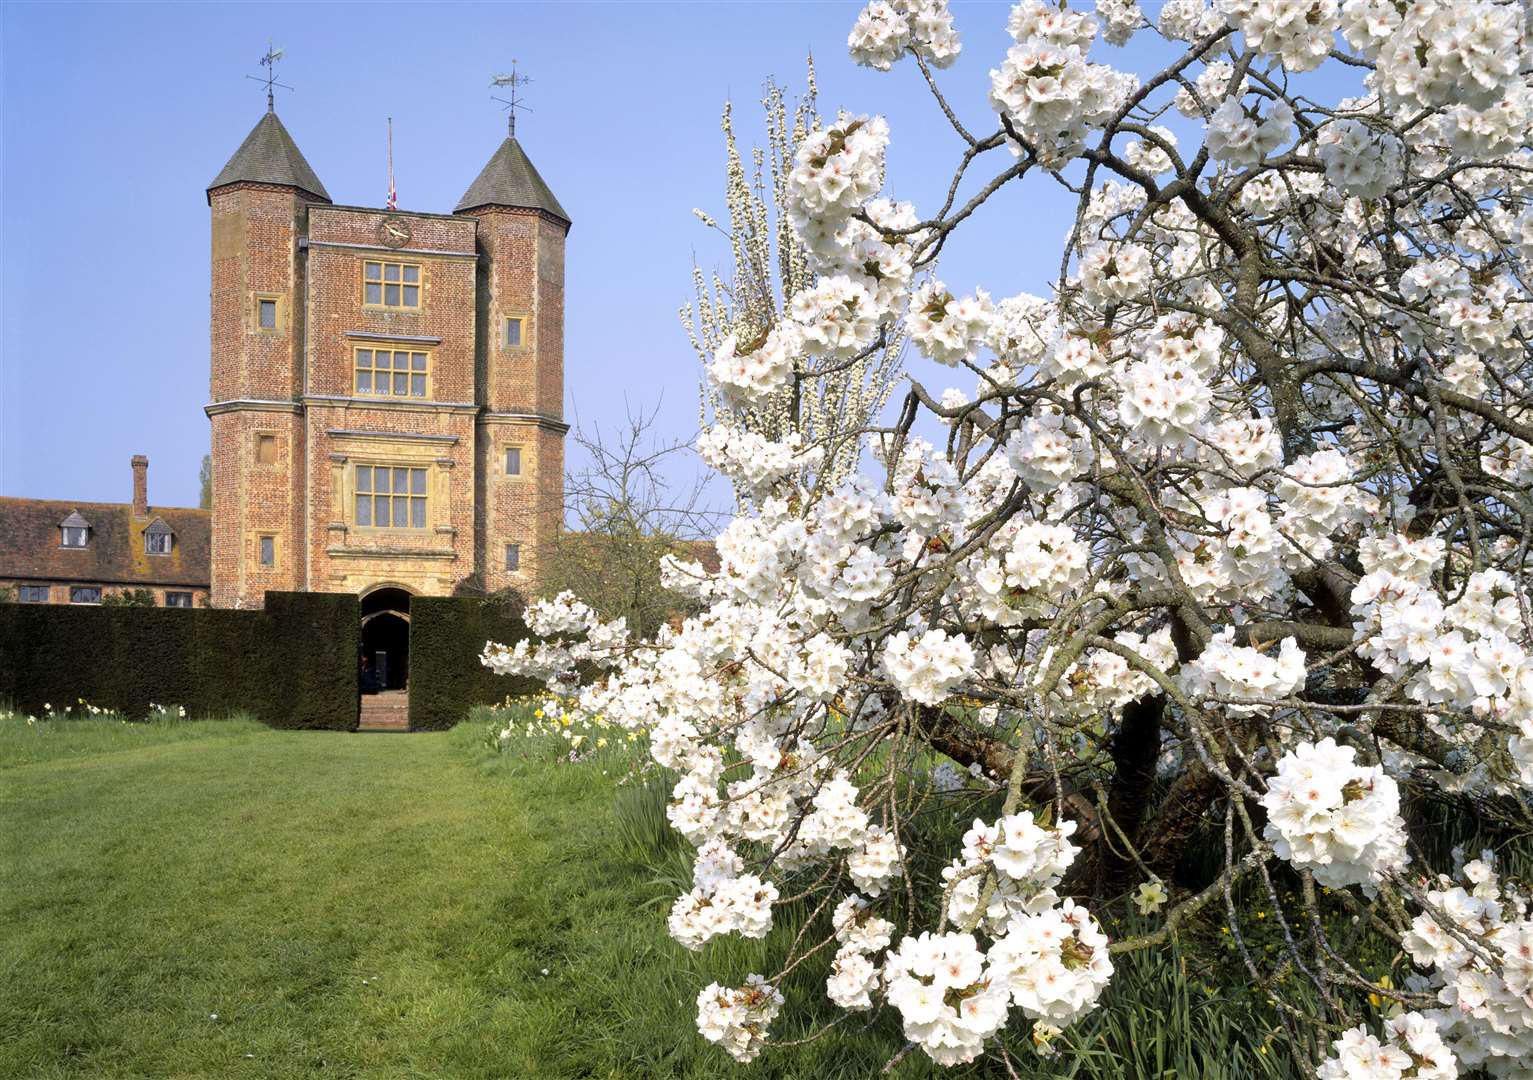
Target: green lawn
{"points": [[221, 899], [218, 899]]}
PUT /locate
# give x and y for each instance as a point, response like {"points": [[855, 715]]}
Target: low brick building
{"points": [[387, 386], [58, 552]]}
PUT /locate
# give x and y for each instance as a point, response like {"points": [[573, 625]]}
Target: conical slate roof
{"points": [[270, 156], [510, 180]]}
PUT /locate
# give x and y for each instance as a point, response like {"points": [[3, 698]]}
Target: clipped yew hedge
{"points": [[293, 665], [447, 634]]}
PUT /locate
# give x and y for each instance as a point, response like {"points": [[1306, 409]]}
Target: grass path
{"points": [[345, 905], [218, 899]]}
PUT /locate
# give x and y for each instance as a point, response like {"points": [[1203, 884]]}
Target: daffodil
{"points": [[1043, 1035], [1150, 897]]}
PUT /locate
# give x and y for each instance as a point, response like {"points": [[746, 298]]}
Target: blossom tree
{"points": [[759, 391], [1224, 543]]}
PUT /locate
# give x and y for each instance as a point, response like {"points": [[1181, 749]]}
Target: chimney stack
{"points": [[140, 486]]}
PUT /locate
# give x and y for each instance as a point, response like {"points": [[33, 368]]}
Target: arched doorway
{"points": [[385, 644]]}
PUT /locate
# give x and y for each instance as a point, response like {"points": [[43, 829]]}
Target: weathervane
{"points": [[515, 82], [269, 62]]}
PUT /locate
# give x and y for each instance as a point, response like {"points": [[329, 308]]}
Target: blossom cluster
{"points": [[1334, 817], [1046, 957], [1468, 654], [1298, 32], [1047, 89], [926, 668], [950, 998], [1477, 943], [1225, 669], [887, 28], [721, 904], [854, 975], [1412, 1047], [737, 1018]]}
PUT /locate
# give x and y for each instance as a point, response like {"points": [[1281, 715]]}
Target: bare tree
{"points": [[635, 501]]}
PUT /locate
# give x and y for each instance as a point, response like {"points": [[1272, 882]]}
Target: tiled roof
{"points": [[30, 544], [270, 156], [510, 180], [705, 552]]}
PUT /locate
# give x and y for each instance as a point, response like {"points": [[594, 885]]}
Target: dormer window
{"points": [[74, 531], [158, 538]]}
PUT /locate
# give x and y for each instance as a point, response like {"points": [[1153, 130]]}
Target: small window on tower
{"points": [[513, 556], [266, 314], [513, 461], [268, 546], [266, 449], [514, 332]]}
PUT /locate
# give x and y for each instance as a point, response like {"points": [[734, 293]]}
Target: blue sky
{"points": [[115, 117]]}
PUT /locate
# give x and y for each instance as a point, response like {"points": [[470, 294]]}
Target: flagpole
{"points": [[393, 201]]}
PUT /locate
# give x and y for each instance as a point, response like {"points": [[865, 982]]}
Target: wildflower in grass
{"points": [[1043, 1035], [946, 777], [1389, 1005], [1150, 897]]}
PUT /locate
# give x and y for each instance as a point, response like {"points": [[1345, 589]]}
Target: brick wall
{"points": [[252, 499], [476, 269], [256, 229], [522, 274]]}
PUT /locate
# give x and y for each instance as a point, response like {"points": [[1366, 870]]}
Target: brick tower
{"points": [[521, 318], [387, 386], [259, 203]]}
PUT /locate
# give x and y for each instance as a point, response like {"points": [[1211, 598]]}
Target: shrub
{"points": [[447, 634], [292, 665]]}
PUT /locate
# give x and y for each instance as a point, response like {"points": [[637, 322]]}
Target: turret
{"points": [[259, 203], [522, 229]]}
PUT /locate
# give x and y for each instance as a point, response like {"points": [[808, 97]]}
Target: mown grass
{"points": [[218, 899], [23, 743]]}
